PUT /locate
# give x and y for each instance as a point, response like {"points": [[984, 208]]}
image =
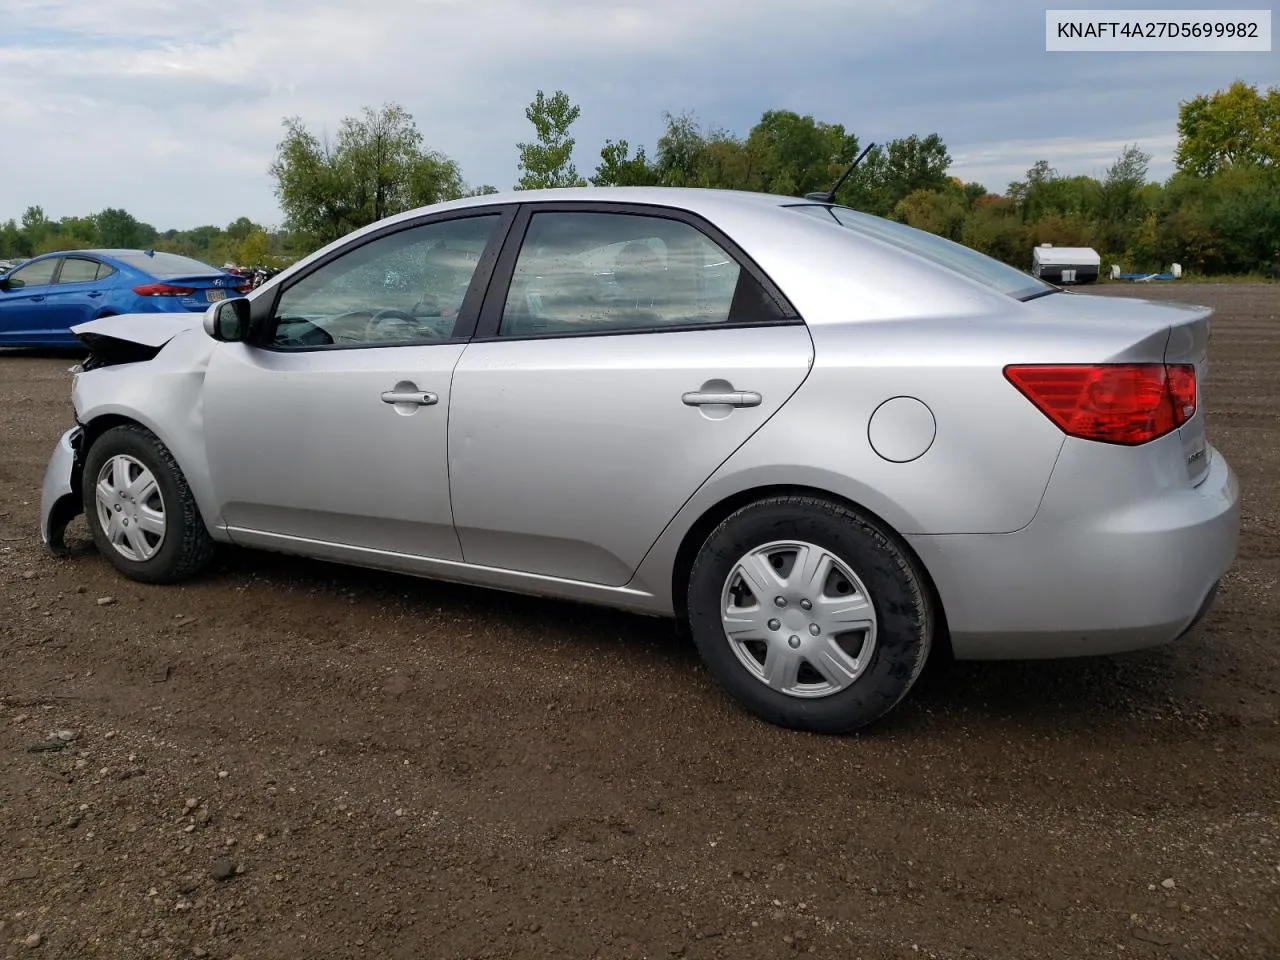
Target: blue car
{"points": [[43, 298]]}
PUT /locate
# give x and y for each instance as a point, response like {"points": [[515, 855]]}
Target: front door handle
{"points": [[419, 397], [738, 398], [95, 293], [38, 299]]}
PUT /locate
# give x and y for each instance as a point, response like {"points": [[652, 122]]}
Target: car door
{"points": [[75, 295], [22, 302], [623, 354], [333, 430]]}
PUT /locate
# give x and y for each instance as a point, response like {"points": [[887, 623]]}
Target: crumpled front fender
{"points": [[62, 499]]}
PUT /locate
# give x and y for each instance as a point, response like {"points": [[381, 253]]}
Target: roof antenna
{"points": [[829, 196]]}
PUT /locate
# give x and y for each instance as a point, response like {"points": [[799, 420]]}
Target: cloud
{"points": [[173, 108]]}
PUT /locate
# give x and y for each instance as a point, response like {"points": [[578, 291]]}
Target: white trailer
{"points": [[1066, 264]]}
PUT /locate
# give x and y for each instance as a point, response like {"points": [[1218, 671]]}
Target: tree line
{"points": [[1219, 212]]}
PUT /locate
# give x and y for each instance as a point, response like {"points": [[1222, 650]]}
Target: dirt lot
{"points": [[289, 759]]}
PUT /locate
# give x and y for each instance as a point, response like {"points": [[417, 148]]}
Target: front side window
{"points": [[945, 253], [403, 288], [613, 272], [33, 274], [78, 270]]}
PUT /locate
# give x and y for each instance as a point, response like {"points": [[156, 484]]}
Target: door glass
{"points": [[405, 287], [608, 272], [77, 270], [33, 274]]}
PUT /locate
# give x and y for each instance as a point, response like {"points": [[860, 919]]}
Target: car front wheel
{"points": [[809, 614], [140, 509]]}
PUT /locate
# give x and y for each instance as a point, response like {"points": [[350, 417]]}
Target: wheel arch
{"points": [[189, 458], [714, 515]]}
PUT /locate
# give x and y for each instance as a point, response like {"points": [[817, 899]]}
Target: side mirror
{"points": [[4, 283], [228, 320]]}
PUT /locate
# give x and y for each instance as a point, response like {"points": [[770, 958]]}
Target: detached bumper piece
{"points": [[62, 498]]}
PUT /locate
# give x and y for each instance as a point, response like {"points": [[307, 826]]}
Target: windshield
{"points": [[946, 253], [167, 264]]}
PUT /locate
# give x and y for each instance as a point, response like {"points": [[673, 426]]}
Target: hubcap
{"points": [[130, 508], [799, 619]]}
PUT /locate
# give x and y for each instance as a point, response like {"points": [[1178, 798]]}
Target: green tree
{"points": [[932, 210], [681, 155], [254, 249], [548, 160], [35, 225], [1236, 125], [1121, 199], [119, 228], [240, 228], [377, 167], [994, 227], [796, 154], [618, 168]]}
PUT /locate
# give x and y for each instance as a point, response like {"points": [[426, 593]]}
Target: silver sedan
{"points": [[825, 442]]}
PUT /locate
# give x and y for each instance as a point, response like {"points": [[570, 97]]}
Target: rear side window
{"points": [[945, 253], [601, 273], [77, 270]]}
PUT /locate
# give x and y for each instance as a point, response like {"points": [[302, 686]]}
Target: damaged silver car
{"points": [[825, 442]]}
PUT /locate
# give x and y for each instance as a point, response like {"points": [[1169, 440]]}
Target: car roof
{"points": [[702, 200]]}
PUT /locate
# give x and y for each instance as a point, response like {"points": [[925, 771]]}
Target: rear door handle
{"points": [[37, 299], [95, 293], [738, 398], [419, 397]]}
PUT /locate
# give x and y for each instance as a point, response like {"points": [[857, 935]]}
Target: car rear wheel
{"points": [[809, 614], [141, 512]]}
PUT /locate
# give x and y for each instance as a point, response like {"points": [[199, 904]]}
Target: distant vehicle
{"points": [[820, 438], [41, 300], [1065, 265]]}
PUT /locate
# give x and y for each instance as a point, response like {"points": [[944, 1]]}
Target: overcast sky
{"points": [[172, 108]]}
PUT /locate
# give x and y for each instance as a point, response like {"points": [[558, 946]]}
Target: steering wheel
{"points": [[384, 322]]}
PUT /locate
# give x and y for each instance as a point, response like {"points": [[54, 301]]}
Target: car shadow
{"points": [[1079, 696]]}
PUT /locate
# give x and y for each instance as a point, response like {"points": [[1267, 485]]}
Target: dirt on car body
{"points": [[291, 759]]}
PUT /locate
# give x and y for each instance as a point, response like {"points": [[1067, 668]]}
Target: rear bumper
{"points": [[61, 497], [1074, 584]]}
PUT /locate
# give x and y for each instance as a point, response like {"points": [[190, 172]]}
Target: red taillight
{"points": [[163, 290], [1127, 403], [244, 288]]}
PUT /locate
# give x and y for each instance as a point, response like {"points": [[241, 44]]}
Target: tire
{"points": [[835, 666], [182, 548]]}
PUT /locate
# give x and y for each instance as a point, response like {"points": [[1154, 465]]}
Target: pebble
{"points": [[223, 870], [191, 804], [66, 736], [222, 774], [199, 952], [33, 941], [1168, 883], [106, 601], [28, 574]]}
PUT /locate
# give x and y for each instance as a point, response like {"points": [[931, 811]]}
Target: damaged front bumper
{"points": [[62, 498]]}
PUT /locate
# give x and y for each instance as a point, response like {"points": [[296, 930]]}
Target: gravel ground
{"points": [[289, 759]]}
